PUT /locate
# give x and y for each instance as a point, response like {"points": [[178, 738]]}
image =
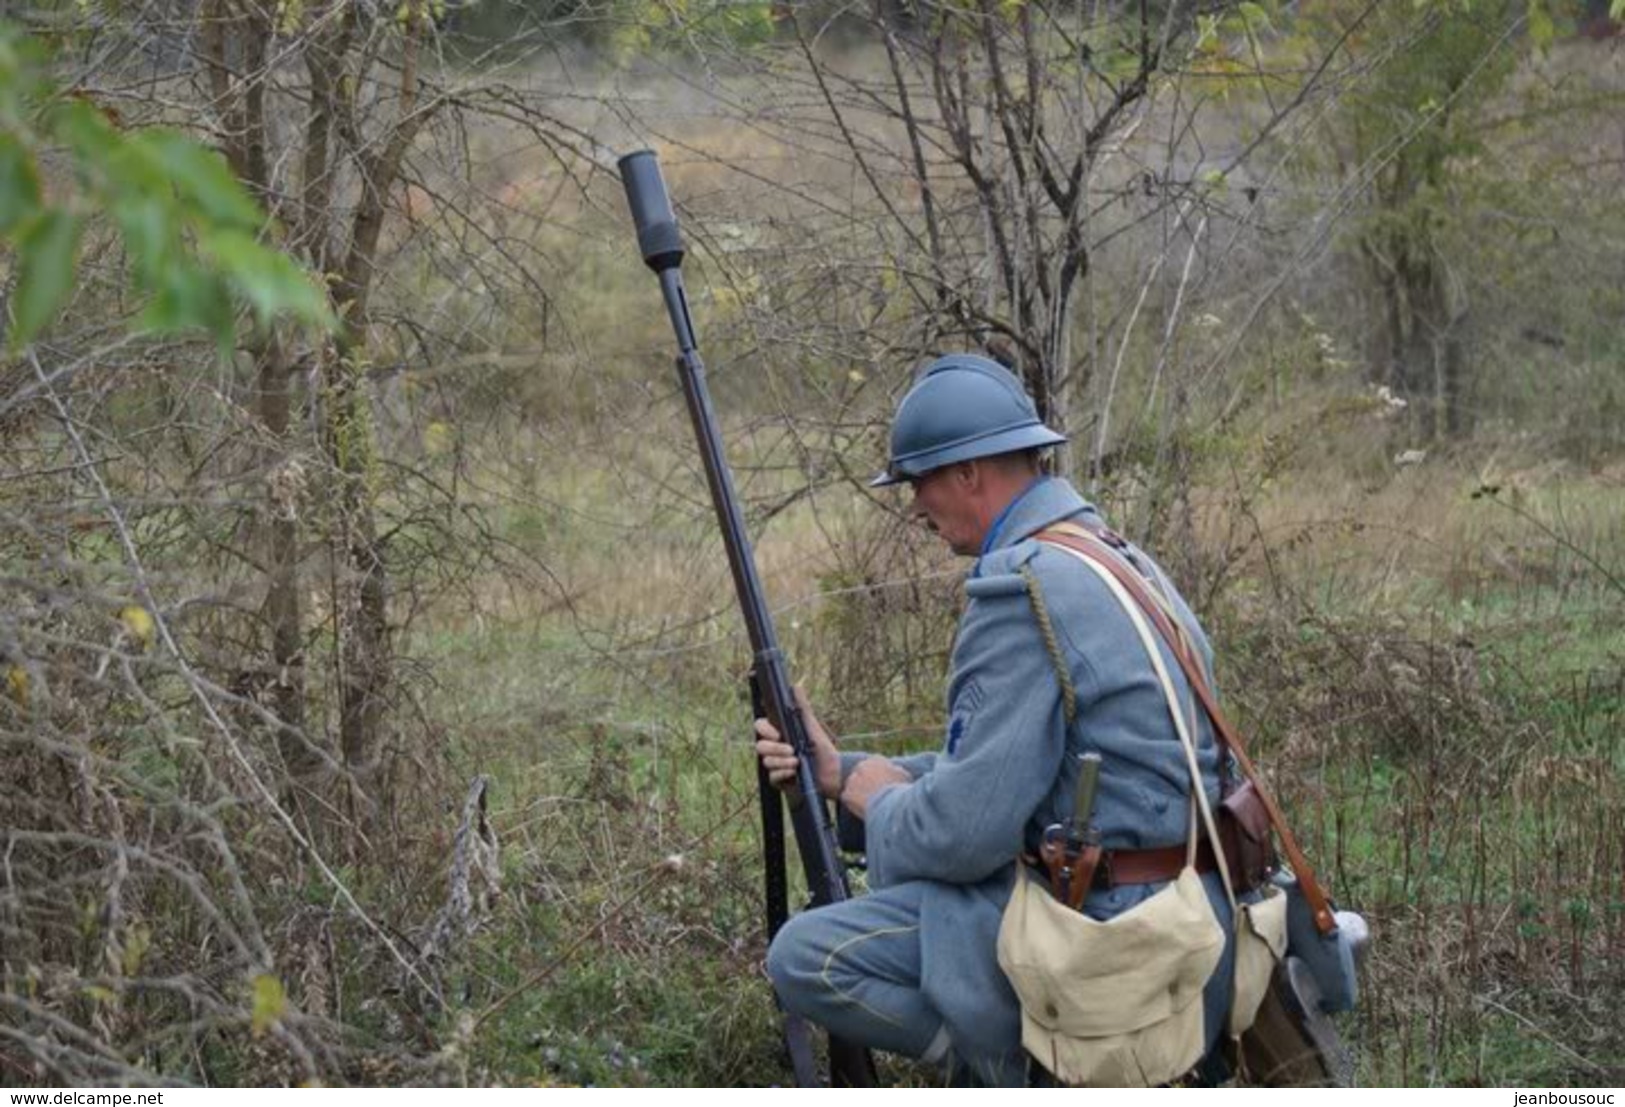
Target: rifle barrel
{"points": [[662, 246]]}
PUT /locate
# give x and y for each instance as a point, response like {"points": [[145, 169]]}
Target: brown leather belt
{"points": [[1150, 866], [1140, 866]]}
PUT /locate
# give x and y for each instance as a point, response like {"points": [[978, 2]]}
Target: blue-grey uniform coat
{"points": [[1007, 768]]}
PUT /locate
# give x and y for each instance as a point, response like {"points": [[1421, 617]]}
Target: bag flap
{"points": [[1086, 978]]}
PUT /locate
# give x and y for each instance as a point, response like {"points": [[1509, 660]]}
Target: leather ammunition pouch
{"points": [[1244, 832]]}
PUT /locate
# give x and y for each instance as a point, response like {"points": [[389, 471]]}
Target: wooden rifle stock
{"points": [[662, 248]]}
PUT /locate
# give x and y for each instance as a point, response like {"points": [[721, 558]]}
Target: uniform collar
{"points": [[1047, 500], [991, 540]]}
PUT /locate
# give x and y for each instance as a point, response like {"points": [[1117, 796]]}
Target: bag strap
{"points": [[1184, 726], [1093, 546]]}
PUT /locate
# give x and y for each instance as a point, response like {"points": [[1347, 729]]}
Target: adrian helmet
{"points": [[963, 406]]}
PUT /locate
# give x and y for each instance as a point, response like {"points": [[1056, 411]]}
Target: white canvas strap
{"points": [[1182, 725]]}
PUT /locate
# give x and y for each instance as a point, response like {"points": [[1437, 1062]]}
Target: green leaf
{"points": [[82, 125], [136, 944], [1256, 17], [269, 280], [147, 224], [21, 68], [46, 253], [269, 1003], [1541, 28], [19, 184], [1616, 10], [137, 168], [202, 176], [191, 297]]}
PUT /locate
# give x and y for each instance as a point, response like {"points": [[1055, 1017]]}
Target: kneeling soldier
{"points": [[1047, 669]]}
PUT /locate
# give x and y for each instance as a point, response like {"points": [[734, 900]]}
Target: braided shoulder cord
{"points": [[1052, 645]]}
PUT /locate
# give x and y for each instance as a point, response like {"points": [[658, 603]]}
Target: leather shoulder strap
{"points": [[1084, 543]]}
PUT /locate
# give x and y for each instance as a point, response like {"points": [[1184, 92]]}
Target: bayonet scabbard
{"points": [[1071, 849]]}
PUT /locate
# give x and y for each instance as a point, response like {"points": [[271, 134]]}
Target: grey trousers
{"points": [[854, 969]]}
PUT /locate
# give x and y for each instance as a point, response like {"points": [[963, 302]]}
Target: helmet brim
{"points": [[1010, 440]]}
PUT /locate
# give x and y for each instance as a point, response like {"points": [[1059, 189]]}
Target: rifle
{"points": [[662, 247]]}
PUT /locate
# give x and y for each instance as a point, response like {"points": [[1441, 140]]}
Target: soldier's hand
{"points": [[868, 777], [780, 760]]}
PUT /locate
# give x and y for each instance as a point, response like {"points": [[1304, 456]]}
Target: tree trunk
{"points": [[364, 647], [280, 540], [229, 33], [365, 650]]}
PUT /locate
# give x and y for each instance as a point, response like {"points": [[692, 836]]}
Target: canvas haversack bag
{"points": [[1117, 1003]]}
